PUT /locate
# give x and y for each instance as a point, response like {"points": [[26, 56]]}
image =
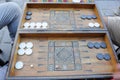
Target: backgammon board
{"points": [[71, 17], [57, 41]]}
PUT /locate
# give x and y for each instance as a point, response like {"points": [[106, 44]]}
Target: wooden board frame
{"points": [[85, 32], [62, 6], [14, 56]]}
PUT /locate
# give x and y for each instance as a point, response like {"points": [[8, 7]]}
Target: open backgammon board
{"points": [[61, 41]]}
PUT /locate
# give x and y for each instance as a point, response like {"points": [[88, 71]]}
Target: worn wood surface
{"points": [[84, 59], [63, 46], [63, 16]]}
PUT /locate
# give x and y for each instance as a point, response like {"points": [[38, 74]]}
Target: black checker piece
{"points": [[83, 17], [103, 45], [97, 45], [28, 13], [28, 17], [94, 17], [89, 17], [90, 45], [107, 57], [100, 56]]}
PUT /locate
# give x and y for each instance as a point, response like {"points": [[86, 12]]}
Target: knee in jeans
{"points": [[14, 7]]}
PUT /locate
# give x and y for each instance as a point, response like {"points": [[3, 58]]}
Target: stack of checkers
{"points": [[24, 48], [92, 25], [89, 17], [105, 56], [97, 45], [37, 25], [28, 15]]}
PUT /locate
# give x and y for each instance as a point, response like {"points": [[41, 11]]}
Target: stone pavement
{"points": [[108, 7]]}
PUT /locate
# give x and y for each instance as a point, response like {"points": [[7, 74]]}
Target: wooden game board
{"points": [[62, 16], [72, 55], [61, 51]]}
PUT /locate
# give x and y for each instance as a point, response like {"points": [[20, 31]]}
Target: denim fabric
{"points": [[10, 14]]}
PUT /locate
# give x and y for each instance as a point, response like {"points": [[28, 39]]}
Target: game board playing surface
{"points": [[65, 19], [61, 41], [60, 56]]}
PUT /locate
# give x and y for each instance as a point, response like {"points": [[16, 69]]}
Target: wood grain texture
{"points": [[62, 16], [63, 44], [88, 61]]}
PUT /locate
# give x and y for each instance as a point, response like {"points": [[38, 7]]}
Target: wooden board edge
{"points": [[55, 77], [12, 54], [101, 18]]}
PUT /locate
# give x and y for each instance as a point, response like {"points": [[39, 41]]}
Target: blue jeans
{"points": [[10, 14]]}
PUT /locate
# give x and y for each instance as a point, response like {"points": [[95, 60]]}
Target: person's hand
{"points": [[116, 76]]}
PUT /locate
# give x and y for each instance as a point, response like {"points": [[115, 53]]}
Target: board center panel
{"points": [[64, 55]]}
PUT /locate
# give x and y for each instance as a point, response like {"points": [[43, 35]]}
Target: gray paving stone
{"points": [[20, 2], [108, 7], [3, 71], [5, 37], [6, 48], [2, 1], [1, 34]]}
